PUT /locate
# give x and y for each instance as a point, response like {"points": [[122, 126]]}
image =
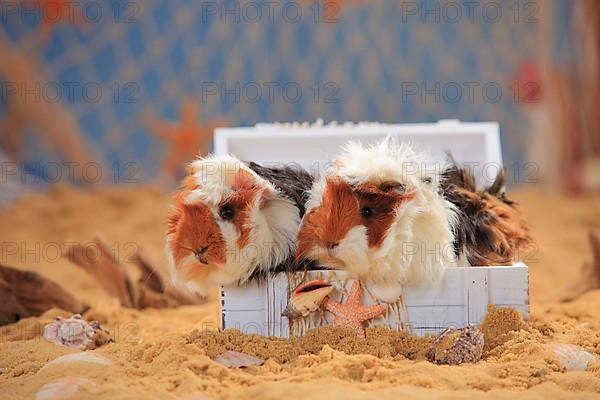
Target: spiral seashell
{"points": [[307, 298], [457, 346], [571, 357], [74, 332]]}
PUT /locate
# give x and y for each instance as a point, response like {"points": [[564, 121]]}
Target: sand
{"points": [[166, 354]]}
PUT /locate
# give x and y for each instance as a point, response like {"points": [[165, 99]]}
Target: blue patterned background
{"points": [[172, 48]]}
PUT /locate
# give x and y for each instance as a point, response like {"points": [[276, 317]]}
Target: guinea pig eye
{"points": [[226, 212], [366, 212]]}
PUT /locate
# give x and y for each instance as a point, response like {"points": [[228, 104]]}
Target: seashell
{"points": [[307, 298], [571, 357], [457, 346], [61, 389], [234, 359], [79, 357], [74, 332]]}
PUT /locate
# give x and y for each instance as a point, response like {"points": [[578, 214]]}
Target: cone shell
{"points": [[571, 357], [307, 298]]}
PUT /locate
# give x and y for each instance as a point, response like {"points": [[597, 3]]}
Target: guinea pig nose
{"points": [[200, 254], [331, 245]]}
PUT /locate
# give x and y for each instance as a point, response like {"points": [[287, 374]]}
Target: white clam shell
{"points": [[62, 389], [571, 357], [79, 357]]}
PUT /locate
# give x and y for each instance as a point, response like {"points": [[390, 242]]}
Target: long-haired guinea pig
{"points": [[380, 217], [233, 220], [492, 229]]}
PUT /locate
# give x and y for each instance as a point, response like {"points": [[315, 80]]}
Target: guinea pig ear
{"points": [[266, 194], [243, 180], [396, 189], [497, 188]]}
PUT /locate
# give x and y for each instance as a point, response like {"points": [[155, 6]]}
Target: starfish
{"points": [[185, 138], [352, 314]]}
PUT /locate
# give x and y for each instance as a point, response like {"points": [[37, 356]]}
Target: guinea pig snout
{"points": [[331, 246], [201, 254]]}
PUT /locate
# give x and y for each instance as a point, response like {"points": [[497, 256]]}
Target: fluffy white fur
{"points": [[419, 244], [274, 225]]}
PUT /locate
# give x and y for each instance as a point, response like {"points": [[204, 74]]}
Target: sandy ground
{"points": [[158, 354]]}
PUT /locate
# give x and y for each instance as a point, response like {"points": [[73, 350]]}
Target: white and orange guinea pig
{"points": [[380, 217], [234, 220]]}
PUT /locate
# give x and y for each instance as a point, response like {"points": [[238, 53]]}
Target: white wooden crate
{"points": [[475, 143], [463, 295], [460, 298]]}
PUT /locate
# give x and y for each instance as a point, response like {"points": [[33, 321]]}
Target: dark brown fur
{"points": [[293, 182], [492, 229]]}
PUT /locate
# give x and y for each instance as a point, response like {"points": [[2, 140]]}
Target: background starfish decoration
{"points": [[186, 139], [353, 313]]}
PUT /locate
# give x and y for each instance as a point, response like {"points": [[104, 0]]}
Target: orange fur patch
{"points": [[332, 220], [193, 226]]}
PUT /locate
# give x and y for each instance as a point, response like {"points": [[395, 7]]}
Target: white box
{"points": [[460, 298], [475, 143]]}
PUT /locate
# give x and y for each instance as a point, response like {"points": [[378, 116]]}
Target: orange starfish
{"points": [[352, 314], [186, 139]]}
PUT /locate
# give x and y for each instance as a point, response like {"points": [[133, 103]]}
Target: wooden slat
{"points": [[475, 290]]}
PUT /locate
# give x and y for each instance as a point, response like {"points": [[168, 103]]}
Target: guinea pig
{"points": [[381, 218], [232, 221], [492, 229]]}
